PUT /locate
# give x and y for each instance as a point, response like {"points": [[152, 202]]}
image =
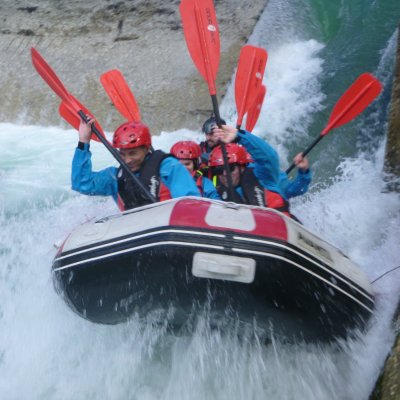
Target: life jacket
{"points": [[130, 196], [254, 193], [198, 178]]}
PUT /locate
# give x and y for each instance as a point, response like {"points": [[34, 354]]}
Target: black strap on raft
{"points": [[385, 273]]}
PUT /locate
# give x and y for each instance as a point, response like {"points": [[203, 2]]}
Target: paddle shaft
{"points": [[306, 151], [231, 189], [119, 159]]}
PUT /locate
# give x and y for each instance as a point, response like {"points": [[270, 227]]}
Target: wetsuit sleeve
{"points": [[177, 178], [209, 190], [266, 160], [85, 181], [297, 186]]}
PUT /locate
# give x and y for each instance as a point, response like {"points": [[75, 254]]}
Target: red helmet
{"points": [[130, 135], [186, 149], [236, 155]]}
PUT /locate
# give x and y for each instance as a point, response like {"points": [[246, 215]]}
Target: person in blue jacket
{"points": [[289, 187], [188, 153], [255, 185], [163, 175], [300, 184]]}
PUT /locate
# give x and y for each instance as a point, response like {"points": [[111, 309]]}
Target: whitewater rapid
{"points": [[48, 352]]}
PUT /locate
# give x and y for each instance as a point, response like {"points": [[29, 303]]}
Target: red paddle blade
{"points": [[354, 101], [74, 119], [200, 28], [255, 109], [120, 94], [49, 76], [249, 75]]}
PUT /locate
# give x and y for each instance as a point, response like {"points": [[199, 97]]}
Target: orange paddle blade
{"points": [[200, 28], [255, 109], [120, 94], [50, 77], [249, 76], [70, 106], [74, 119], [354, 101]]}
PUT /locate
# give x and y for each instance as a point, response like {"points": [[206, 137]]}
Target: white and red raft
{"points": [[250, 263]]}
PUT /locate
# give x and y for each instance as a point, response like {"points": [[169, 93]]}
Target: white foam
{"points": [[47, 352]]}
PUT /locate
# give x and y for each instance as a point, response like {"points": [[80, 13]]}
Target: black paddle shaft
{"points": [[116, 155], [306, 151], [231, 189]]}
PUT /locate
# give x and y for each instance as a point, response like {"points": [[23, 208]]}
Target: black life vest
{"points": [[130, 196], [254, 193]]}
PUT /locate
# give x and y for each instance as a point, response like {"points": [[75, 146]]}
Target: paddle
{"points": [[352, 103], [255, 109], [49, 76], [73, 118], [120, 94], [200, 28], [249, 75]]}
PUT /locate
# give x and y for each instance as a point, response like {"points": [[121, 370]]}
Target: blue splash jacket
{"points": [[104, 183]]}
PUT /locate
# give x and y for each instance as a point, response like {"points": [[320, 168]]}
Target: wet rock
{"points": [[388, 384], [142, 38], [392, 156]]}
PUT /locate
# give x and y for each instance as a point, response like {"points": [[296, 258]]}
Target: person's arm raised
{"points": [[85, 130]]}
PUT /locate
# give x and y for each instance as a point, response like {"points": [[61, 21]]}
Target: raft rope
{"points": [[387, 272]]}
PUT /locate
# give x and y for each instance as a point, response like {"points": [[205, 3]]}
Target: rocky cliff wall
{"points": [[388, 385], [143, 38], [392, 155]]}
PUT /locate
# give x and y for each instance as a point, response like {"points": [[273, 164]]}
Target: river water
{"points": [[47, 352]]}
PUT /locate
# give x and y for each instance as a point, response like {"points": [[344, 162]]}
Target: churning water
{"points": [[48, 352]]}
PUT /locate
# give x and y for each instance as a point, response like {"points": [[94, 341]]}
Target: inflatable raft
{"points": [[184, 254]]}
